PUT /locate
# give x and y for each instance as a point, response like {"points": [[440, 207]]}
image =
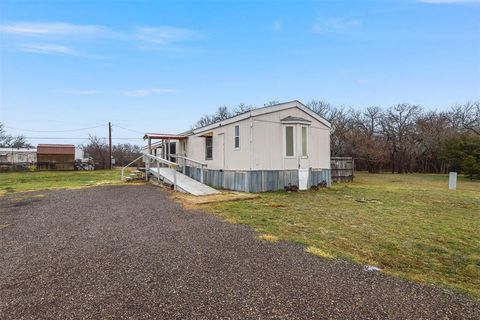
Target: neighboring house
{"points": [[17, 158], [18, 155], [55, 157], [259, 150]]}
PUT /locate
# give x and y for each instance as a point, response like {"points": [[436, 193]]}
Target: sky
{"points": [[158, 66]]}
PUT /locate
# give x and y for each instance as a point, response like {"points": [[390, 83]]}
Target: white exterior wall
{"points": [[15, 155], [262, 144], [225, 156], [269, 142]]}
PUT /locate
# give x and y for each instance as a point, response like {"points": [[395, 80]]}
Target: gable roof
{"points": [[56, 149], [261, 111]]}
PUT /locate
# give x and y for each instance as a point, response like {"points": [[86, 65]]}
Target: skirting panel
{"points": [[255, 180]]}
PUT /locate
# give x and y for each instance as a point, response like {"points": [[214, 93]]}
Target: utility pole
{"points": [[110, 145]]}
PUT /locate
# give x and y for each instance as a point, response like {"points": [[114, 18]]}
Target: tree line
{"points": [[403, 138], [123, 153], [96, 149], [11, 141]]}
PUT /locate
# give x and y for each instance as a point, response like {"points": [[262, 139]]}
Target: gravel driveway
{"points": [[129, 252]]}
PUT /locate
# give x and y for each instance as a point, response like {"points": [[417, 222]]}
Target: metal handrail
{"points": [[159, 160], [165, 161], [123, 169], [203, 164], [185, 159]]}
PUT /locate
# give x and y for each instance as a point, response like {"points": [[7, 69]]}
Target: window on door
{"points": [[237, 137], [304, 142], [289, 142], [208, 148]]}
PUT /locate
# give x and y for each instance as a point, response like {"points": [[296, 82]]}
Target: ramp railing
{"points": [[128, 165], [159, 162], [194, 163]]}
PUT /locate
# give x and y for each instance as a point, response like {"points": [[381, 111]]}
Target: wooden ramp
{"points": [[184, 183]]}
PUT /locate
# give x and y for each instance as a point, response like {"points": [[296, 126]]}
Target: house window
{"points": [[208, 148], [289, 142], [304, 142], [237, 137]]}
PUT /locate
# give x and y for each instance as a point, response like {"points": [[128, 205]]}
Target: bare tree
{"points": [[467, 116], [368, 143], [222, 113], [9, 141], [271, 103], [242, 108], [97, 149], [323, 109], [434, 128], [124, 153], [398, 126]]}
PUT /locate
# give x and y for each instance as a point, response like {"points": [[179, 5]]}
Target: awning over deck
{"points": [[163, 136]]}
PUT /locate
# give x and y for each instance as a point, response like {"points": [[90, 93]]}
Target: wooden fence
{"points": [[342, 169]]}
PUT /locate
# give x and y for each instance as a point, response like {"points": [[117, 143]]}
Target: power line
{"points": [[52, 131], [79, 138], [131, 130]]}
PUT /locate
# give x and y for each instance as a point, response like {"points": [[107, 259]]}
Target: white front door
{"points": [[303, 157]]}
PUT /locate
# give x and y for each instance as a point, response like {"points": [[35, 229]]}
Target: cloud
{"points": [[335, 24], [82, 92], [53, 29], [276, 26], [62, 37], [166, 35], [49, 48], [148, 92]]}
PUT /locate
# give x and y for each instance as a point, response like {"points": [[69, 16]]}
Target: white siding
{"points": [[262, 144], [235, 159], [269, 142]]}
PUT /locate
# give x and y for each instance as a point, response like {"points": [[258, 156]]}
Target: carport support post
{"points": [[147, 162], [168, 150]]}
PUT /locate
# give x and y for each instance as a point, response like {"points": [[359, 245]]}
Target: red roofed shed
{"points": [[55, 157]]}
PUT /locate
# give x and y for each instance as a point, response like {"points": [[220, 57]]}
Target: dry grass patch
{"points": [[268, 237], [319, 252], [188, 200]]}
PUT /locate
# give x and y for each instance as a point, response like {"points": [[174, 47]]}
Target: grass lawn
{"points": [[411, 225], [31, 181]]}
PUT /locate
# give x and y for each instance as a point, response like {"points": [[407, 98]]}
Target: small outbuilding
{"points": [[55, 157]]}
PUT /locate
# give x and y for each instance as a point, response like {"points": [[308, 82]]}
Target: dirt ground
{"points": [[131, 252]]}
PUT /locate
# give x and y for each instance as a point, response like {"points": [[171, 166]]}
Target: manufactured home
{"points": [[17, 158], [260, 150]]}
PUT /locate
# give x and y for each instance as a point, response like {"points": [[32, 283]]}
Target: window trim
{"points": [[293, 141], [235, 136], [306, 142], [206, 148]]}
